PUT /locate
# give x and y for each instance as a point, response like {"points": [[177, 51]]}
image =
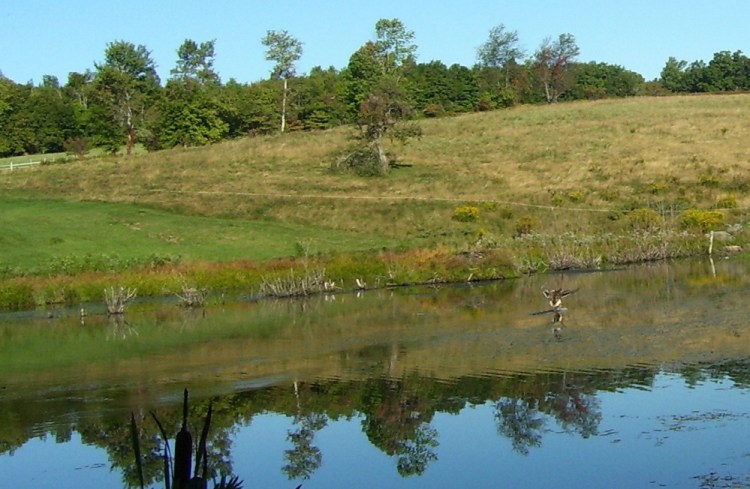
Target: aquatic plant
{"points": [[177, 469]]}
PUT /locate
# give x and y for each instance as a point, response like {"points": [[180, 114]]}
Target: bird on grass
{"points": [[555, 296]]}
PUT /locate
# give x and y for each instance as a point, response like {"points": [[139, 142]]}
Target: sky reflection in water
{"points": [[671, 435]]}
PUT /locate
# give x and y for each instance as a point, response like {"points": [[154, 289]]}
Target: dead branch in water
{"points": [[116, 299], [192, 296]]}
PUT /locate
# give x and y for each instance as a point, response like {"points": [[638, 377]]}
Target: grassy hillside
{"points": [[556, 185], [54, 235]]}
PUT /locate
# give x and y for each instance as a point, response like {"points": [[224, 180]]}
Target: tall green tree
{"points": [[16, 135], [376, 96], [726, 72], [51, 117], [79, 91], [394, 45], [501, 50], [196, 62], [320, 101], [127, 86], [673, 75], [285, 50], [191, 107], [250, 109], [601, 80], [362, 74], [428, 87], [191, 116], [463, 89], [552, 61]]}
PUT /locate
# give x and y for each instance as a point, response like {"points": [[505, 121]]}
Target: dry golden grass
{"points": [[593, 158]]}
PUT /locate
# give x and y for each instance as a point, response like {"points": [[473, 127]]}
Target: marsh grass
{"points": [[575, 169]]}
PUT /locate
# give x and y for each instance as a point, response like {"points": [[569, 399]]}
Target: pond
{"points": [[644, 382]]}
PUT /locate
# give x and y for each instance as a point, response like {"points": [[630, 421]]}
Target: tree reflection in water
{"points": [[397, 421], [396, 415], [304, 458], [519, 420]]}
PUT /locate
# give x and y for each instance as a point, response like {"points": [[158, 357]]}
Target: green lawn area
{"points": [[38, 232]]}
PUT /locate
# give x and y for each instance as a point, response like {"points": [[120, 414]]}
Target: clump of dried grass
{"points": [[295, 284], [191, 296]]}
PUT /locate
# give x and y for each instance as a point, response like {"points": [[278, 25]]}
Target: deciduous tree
{"points": [[15, 130], [553, 60], [383, 113], [127, 84], [673, 75], [363, 73], [394, 45], [599, 80], [285, 50], [191, 108], [500, 51]]}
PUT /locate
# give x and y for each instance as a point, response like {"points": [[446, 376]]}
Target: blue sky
{"points": [[55, 37]]}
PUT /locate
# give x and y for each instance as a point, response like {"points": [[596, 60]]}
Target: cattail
{"points": [[183, 450]]}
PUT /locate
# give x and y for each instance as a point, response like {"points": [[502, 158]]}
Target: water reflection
{"points": [[304, 458], [390, 365], [395, 415]]}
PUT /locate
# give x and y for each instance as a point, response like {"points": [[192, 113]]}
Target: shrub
{"points": [[727, 202], [657, 188], [76, 146], [362, 161], [466, 213], [433, 110], [609, 194], [703, 220], [526, 225], [16, 297], [576, 196], [708, 180], [643, 219]]}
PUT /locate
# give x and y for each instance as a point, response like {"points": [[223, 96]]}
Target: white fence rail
{"points": [[12, 166]]}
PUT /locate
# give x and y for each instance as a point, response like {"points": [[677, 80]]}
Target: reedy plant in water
{"points": [[177, 469]]}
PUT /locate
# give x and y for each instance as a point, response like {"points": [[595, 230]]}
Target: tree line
{"points": [[122, 101]]}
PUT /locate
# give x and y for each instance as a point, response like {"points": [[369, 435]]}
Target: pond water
{"points": [[644, 383]]}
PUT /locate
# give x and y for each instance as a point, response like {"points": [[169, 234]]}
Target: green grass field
{"points": [[39, 234]]}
